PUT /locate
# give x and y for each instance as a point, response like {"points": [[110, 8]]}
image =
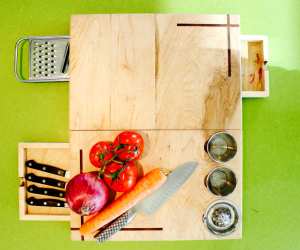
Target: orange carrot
{"points": [[145, 186]]}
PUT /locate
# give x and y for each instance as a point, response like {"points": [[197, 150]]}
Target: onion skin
{"points": [[86, 193]]}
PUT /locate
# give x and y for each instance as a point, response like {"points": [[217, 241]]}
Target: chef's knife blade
{"points": [[46, 191], [45, 180], [174, 181], [45, 202], [47, 168], [151, 203]]}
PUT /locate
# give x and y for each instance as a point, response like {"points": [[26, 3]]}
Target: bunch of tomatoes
{"points": [[117, 160]]}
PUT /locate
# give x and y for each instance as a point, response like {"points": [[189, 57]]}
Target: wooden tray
{"points": [[174, 78], [56, 154], [255, 74]]}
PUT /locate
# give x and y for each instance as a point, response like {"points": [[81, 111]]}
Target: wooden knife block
{"points": [[56, 154]]}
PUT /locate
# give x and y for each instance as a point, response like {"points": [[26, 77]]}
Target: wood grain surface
{"points": [[134, 71], [166, 148], [174, 78]]}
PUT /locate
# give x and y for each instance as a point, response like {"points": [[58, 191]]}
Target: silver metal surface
{"points": [[221, 147], [221, 217], [46, 57], [174, 181], [115, 226], [221, 181]]}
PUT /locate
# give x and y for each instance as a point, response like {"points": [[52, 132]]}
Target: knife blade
{"points": [[45, 180], [45, 202], [47, 168], [151, 203], [46, 191]]}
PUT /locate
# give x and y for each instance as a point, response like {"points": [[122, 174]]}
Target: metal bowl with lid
{"points": [[221, 147], [221, 217]]}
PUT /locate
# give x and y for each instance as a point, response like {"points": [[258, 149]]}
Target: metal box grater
{"points": [[48, 58]]}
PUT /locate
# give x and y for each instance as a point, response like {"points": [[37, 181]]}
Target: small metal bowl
{"points": [[221, 181], [221, 147], [221, 218]]}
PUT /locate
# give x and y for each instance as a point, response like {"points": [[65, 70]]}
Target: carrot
{"points": [[145, 186]]}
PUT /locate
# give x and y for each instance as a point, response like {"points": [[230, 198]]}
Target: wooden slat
{"points": [[112, 72], [193, 87]]}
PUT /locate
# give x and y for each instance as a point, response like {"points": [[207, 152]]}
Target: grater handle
{"points": [[18, 74]]}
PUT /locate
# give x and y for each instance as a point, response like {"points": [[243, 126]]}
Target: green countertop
{"points": [[271, 125]]}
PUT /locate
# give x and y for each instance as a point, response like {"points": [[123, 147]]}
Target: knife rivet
{"points": [[45, 192], [31, 202], [31, 189], [58, 204], [44, 168], [43, 180], [61, 194], [58, 184], [45, 203], [29, 177]]}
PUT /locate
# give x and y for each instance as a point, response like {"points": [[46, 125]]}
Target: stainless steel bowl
{"points": [[221, 181], [221, 218], [221, 147]]}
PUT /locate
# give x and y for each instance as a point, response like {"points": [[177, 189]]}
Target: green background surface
{"points": [[271, 126]]}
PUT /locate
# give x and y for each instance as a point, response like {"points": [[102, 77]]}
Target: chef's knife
{"points": [[45, 202], [45, 180], [47, 168], [151, 203], [46, 191]]}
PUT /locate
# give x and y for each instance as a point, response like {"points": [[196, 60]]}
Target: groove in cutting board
{"points": [[229, 46]]}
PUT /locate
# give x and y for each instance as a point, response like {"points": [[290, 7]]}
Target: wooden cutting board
{"points": [[175, 79]]}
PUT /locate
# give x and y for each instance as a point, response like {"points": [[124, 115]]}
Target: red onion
{"points": [[86, 193]]}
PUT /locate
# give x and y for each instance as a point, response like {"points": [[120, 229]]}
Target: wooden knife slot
{"points": [[56, 154]]}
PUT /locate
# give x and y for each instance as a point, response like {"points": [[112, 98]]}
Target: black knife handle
{"points": [[46, 168], [45, 202], [45, 180], [46, 191]]}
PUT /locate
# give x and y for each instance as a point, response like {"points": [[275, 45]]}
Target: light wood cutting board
{"points": [[175, 79]]}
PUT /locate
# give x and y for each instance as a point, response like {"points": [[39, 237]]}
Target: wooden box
{"points": [[56, 154], [254, 59]]}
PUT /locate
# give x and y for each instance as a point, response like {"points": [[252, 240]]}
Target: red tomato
{"points": [[129, 145], [101, 153], [121, 177]]}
